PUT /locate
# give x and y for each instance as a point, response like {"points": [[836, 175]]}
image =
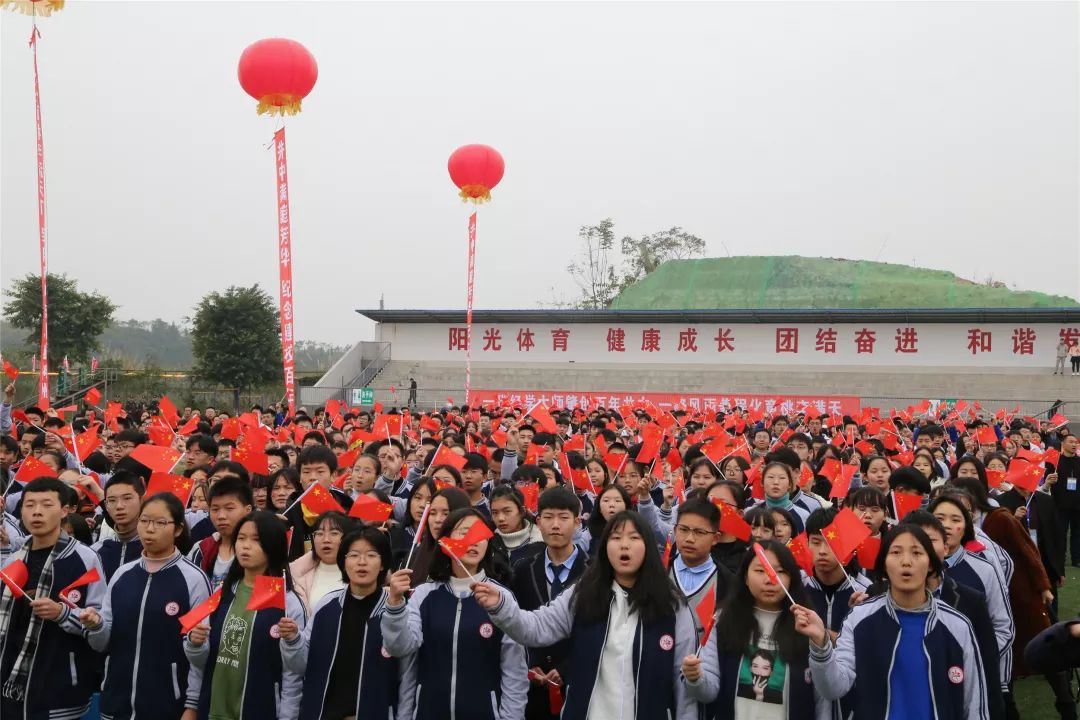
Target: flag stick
{"points": [[285, 586], [471, 576], [419, 533], [297, 500], [182, 456]]}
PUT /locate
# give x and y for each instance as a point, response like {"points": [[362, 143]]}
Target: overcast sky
{"points": [[944, 134]]}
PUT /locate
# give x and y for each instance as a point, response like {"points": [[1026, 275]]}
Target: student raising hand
{"points": [[398, 584], [487, 595], [808, 623]]}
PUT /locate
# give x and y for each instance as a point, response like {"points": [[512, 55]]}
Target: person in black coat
{"points": [[539, 578], [1037, 512]]}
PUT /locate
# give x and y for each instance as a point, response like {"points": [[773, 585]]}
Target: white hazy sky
{"points": [[944, 133]]}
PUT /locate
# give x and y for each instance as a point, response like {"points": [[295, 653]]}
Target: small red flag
{"points": [[446, 456], [200, 612], [230, 429], [800, 550], [716, 448], [841, 476], [92, 397], [386, 426], [867, 552], [994, 478], [269, 592], [370, 509], [11, 371], [986, 435], [531, 493], [431, 424], [1057, 421], [667, 550], [168, 411], [15, 575], [731, 522], [162, 459], [90, 576], [252, 458], [317, 500], [774, 579], [905, 503], [457, 547], [178, 485], [33, 468], [574, 443], [1023, 474], [543, 418], [845, 534], [651, 437], [615, 461], [706, 612]]}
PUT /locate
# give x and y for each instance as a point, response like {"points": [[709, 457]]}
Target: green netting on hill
{"points": [[798, 282]]}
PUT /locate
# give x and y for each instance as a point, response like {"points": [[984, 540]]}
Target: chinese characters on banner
{"points": [[880, 345], [43, 376], [285, 297], [693, 402], [468, 304]]}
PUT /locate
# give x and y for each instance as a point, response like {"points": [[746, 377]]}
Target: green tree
{"points": [[649, 252], [594, 270], [76, 319], [235, 338]]}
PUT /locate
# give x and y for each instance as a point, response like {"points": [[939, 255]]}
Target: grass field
{"points": [[1033, 696]]}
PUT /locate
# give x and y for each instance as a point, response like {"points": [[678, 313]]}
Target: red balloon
{"points": [[279, 73], [476, 169]]}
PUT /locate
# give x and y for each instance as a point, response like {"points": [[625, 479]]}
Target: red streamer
{"points": [[285, 296], [43, 369], [468, 306]]}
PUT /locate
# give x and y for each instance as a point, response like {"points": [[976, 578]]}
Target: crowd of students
{"points": [[511, 562]]}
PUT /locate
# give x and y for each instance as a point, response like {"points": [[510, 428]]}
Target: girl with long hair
{"points": [[627, 625], [237, 649], [403, 534], [316, 573], [513, 523], [443, 504]]}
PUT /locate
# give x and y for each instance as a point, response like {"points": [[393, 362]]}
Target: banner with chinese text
{"points": [[706, 402]]}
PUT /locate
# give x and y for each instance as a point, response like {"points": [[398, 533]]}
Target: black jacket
{"points": [[1051, 549]]}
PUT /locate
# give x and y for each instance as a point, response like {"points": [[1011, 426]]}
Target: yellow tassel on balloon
{"points": [[43, 8], [279, 104], [476, 194]]}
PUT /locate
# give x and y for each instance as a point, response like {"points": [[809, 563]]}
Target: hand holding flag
{"points": [[774, 578], [15, 575], [269, 592], [90, 576], [199, 613]]}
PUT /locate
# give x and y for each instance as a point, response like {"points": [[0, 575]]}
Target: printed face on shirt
{"points": [[626, 550], [249, 551], [907, 564]]}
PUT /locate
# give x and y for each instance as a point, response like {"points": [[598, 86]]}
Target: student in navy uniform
{"points": [[832, 592], [513, 523], [473, 475], [11, 535], [542, 577], [318, 463], [230, 501], [627, 625], [237, 649], [340, 652], [403, 534], [693, 569], [465, 667], [904, 654], [47, 669], [139, 623], [123, 496], [754, 663]]}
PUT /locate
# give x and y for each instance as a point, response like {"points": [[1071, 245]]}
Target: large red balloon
{"points": [[279, 73], [476, 169]]}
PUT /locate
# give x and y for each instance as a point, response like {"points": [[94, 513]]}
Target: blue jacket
{"points": [[148, 673], [115, 552], [387, 684], [64, 670], [869, 637], [270, 690], [659, 648], [466, 669]]}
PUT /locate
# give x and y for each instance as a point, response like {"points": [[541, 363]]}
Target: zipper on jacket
{"points": [[930, 677], [892, 664], [138, 642], [333, 656], [637, 671], [453, 663], [363, 658], [607, 629], [175, 682]]}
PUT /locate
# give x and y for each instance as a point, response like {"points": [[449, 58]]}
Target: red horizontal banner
{"points": [[706, 402]]}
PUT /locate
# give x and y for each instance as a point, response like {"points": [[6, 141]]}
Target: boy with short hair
{"points": [[830, 588], [693, 570], [317, 464], [230, 500], [41, 638], [473, 476], [123, 499]]}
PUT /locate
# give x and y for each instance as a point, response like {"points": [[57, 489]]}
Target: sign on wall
{"points": [[706, 402]]}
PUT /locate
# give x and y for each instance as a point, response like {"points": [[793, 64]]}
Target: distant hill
{"points": [[162, 344], [814, 282]]}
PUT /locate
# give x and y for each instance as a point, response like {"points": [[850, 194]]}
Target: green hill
{"points": [[802, 282]]}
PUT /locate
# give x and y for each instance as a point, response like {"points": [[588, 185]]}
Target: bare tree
{"points": [[594, 270], [647, 253]]}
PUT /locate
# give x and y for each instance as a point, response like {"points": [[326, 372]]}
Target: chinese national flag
{"points": [[370, 509], [33, 468], [160, 434], [615, 461], [361, 436], [11, 371], [867, 552], [839, 475], [499, 438], [230, 429], [252, 458], [800, 550], [1052, 456], [457, 547], [806, 477], [706, 612], [87, 442], [753, 479], [430, 424], [168, 411], [1023, 474], [731, 522], [161, 459], [387, 426], [317, 500], [269, 592], [651, 437], [446, 456], [543, 418], [574, 442], [994, 478], [178, 485], [92, 397], [15, 576], [90, 576], [716, 448], [905, 503], [200, 612], [845, 534], [531, 493], [774, 579], [986, 435], [1057, 421]]}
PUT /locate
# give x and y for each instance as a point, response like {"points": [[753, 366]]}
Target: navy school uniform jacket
{"points": [[719, 684], [115, 552], [64, 669], [270, 690], [466, 669], [387, 684], [833, 610], [981, 574], [148, 674], [14, 534], [658, 650], [869, 638]]}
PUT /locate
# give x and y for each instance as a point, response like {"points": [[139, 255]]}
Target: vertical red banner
{"points": [[468, 306], [285, 294], [43, 376]]}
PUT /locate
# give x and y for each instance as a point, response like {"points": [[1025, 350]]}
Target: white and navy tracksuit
{"points": [[833, 610], [115, 552], [466, 668], [869, 639], [981, 574], [387, 684], [64, 671], [15, 537], [148, 674], [655, 662], [270, 689]]}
